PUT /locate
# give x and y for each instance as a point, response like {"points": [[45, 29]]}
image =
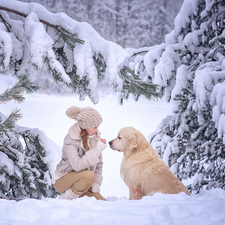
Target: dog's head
{"points": [[128, 140]]}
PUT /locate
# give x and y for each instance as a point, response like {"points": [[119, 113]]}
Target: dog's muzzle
{"points": [[110, 144]]}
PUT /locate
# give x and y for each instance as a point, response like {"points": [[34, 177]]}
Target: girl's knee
{"points": [[89, 176], [85, 181]]}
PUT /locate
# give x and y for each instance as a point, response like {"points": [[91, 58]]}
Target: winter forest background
{"points": [[186, 67], [129, 23]]}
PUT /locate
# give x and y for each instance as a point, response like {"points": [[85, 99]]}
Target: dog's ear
{"points": [[132, 140], [141, 141]]}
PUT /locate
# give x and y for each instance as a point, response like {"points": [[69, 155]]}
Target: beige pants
{"points": [[78, 182]]}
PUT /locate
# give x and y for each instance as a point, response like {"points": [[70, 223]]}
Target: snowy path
{"points": [[205, 209]]}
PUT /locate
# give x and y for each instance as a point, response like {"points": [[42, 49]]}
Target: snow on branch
{"points": [[27, 161], [72, 52]]}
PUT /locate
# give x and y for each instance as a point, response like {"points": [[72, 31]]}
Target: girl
{"points": [[79, 172]]}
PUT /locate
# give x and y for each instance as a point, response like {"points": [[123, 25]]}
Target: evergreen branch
{"points": [[133, 84], [57, 76], [100, 66], [194, 66], [16, 92], [9, 152], [34, 141], [65, 36], [25, 141], [10, 121], [27, 85]]}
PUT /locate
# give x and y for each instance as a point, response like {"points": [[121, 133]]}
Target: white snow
{"points": [[10, 167], [47, 112], [5, 48], [183, 17], [206, 208]]}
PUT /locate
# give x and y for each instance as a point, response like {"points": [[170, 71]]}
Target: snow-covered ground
{"points": [[47, 112], [206, 208]]}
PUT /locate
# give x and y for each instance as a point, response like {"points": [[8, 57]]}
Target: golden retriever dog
{"points": [[142, 169]]}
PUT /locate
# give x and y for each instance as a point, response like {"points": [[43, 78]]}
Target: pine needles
{"points": [[137, 87]]}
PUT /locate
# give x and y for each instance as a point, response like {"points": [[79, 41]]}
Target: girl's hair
{"points": [[84, 136]]}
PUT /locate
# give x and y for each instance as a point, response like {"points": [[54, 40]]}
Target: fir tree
{"points": [[192, 140]]}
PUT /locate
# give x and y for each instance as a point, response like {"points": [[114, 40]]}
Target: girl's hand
{"points": [[103, 140], [101, 145]]}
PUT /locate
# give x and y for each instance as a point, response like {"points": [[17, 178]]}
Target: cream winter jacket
{"points": [[76, 158]]}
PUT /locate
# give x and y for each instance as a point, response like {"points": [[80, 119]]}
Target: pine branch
{"points": [[34, 141], [134, 85], [65, 36], [100, 66], [56, 75], [9, 122], [5, 149], [16, 92]]}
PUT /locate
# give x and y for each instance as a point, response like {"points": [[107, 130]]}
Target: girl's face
{"points": [[92, 131]]}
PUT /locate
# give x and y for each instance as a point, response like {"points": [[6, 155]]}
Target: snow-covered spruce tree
{"points": [[190, 69], [41, 40], [24, 170]]}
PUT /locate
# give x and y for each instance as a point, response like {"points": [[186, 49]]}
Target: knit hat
{"points": [[87, 117]]}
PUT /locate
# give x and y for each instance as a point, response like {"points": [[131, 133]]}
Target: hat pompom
{"points": [[72, 112]]}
